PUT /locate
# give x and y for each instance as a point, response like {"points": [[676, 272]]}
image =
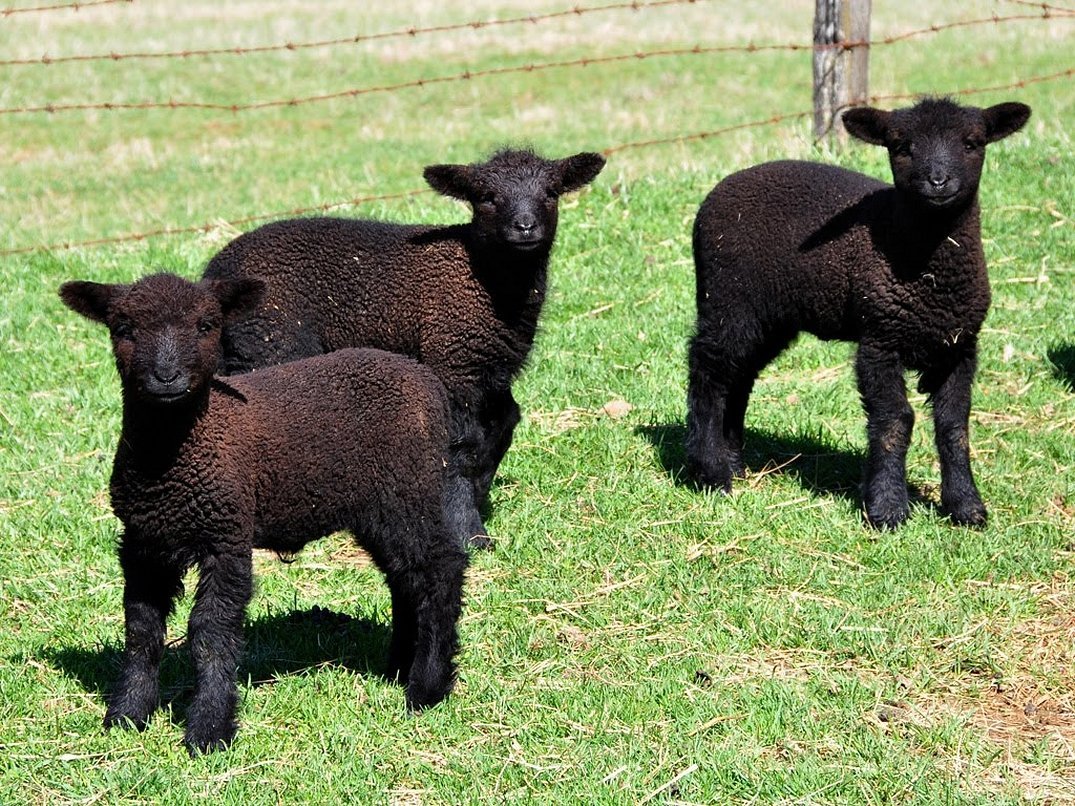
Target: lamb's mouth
{"points": [[526, 246], [166, 397], [939, 200]]}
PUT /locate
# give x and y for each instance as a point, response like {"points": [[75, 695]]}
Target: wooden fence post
{"points": [[841, 73]]}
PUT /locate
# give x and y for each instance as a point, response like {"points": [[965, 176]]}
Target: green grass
{"points": [[628, 638]]}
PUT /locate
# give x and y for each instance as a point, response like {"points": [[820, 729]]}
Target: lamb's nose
{"points": [[939, 180], [525, 223], [166, 375]]}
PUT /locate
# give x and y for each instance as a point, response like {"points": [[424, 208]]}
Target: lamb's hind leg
{"points": [[889, 420], [436, 588], [149, 592], [712, 459]]}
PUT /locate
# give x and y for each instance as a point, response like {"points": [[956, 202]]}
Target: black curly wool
{"points": [[207, 470], [464, 299], [789, 246]]}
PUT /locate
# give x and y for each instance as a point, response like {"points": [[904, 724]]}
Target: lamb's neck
{"points": [[515, 282], [925, 240], [154, 434]]}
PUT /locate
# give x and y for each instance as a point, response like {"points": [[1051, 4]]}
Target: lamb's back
{"points": [[297, 451], [357, 282], [334, 283], [785, 239]]}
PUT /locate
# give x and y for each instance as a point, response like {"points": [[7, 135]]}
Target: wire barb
{"points": [[7, 12]]}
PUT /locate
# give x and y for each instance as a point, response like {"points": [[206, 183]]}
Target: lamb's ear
{"points": [[1004, 119], [450, 180], [867, 124], [89, 299], [579, 170], [238, 298]]}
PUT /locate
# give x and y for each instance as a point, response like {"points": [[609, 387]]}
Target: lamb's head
{"points": [[936, 147], [515, 195], [165, 329]]}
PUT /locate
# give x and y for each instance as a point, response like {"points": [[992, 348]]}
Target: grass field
{"points": [[628, 640]]}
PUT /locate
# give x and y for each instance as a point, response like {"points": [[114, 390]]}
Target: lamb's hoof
{"points": [[478, 543], [973, 515], [131, 708], [426, 694], [706, 478], [887, 518], [115, 719], [208, 740]]}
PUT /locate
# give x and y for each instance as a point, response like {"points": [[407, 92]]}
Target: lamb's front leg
{"points": [[498, 419], [462, 515], [149, 592], [215, 637], [889, 420], [950, 396]]}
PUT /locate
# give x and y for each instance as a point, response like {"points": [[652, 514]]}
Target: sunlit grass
{"points": [[628, 638]]}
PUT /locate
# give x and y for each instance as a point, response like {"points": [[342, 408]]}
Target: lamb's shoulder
{"points": [[471, 323]]}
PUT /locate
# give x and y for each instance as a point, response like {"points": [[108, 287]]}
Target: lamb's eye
{"points": [[488, 198], [969, 145], [206, 326], [123, 331], [903, 148]]}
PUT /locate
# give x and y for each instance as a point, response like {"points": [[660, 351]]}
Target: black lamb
{"points": [[463, 299], [790, 246], [207, 470]]}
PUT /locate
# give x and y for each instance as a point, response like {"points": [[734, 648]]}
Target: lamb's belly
{"points": [[292, 535]]}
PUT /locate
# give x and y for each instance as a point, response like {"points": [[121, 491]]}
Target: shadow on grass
{"points": [[1062, 357], [276, 646], [818, 465]]}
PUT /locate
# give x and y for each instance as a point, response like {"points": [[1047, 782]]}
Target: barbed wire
{"points": [[213, 225], [361, 200], [686, 138], [7, 12], [1047, 12], [110, 106], [476, 25], [872, 99], [354, 92], [1043, 6], [1022, 83], [996, 19]]}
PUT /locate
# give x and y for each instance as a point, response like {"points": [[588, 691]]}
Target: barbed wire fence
{"points": [[1043, 11], [1046, 11]]}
